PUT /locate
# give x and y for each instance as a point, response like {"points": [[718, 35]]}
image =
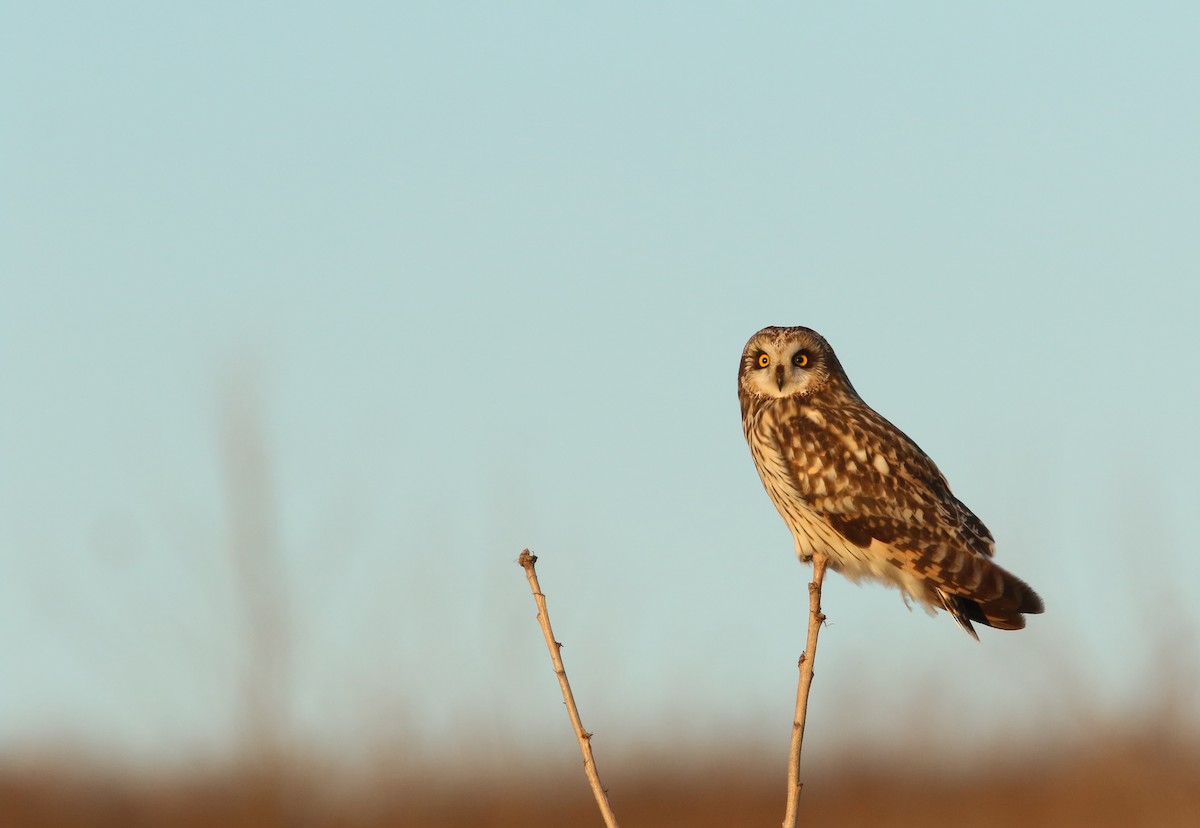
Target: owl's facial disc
{"points": [[783, 362]]}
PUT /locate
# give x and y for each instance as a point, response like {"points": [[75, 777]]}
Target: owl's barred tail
{"points": [[1001, 600]]}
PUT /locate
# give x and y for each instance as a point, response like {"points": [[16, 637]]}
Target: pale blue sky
{"points": [[490, 271]]}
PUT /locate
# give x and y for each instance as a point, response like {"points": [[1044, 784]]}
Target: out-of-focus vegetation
{"points": [[1125, 768], [1147, 778]]}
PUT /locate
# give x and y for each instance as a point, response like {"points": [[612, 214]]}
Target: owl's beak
{"points": [[779, 376]]}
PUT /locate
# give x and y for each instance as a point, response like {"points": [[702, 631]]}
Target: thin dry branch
{"points": [[815, 619], [527, 560]]}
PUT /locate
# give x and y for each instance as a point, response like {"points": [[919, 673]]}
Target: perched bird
{"points": [[851, 485]]}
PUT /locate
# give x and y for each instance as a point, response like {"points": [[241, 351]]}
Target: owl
{"points": [[851, 485]]}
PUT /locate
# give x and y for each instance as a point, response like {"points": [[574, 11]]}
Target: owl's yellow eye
{"points": [[800, 360], [763, 360]]}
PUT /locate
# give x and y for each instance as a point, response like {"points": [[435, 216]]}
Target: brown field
{"points": [[1132, 780]]}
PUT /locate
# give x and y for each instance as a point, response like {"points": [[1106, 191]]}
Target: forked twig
{"points": [[527, 560], [815, 619]]}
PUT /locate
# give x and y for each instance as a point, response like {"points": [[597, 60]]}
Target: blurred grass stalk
{"points": [[260, 590]]}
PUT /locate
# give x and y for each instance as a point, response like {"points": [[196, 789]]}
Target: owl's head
{"points": [[788, 362]]}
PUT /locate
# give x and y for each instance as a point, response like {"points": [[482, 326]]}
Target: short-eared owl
{"points": [[851, 485]]}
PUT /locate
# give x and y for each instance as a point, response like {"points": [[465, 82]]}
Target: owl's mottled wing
{"points": [[876, 488]]}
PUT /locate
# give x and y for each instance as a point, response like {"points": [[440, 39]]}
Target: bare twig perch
{"points": [[527, 560], [815, 619]]}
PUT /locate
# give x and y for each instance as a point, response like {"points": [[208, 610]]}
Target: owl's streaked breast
{"points": [[787, 476]]}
